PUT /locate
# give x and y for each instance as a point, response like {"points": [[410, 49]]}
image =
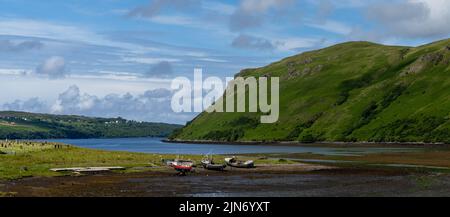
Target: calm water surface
{"points": [[155, 145]]}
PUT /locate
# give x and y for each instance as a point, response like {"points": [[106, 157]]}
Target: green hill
{"points": [[21, 125], [356, 91]]}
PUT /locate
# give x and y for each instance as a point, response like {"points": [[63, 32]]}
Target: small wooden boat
{"points": [[183, 162], [234, 162], [171, 162], [182, 166], [209, 164]]}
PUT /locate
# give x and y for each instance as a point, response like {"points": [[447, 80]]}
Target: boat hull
{"points": [[209, 165], [182, 168], [239, 164]]}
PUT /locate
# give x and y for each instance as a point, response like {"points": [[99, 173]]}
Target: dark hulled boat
{"points": [[209, 164]]}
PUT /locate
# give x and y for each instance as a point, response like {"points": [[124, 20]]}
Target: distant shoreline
{"points": [[296, 143]]}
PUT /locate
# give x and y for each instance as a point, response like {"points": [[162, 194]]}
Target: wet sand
{"points": [[265, 181]]}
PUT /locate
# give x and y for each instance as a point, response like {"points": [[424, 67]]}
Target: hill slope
{"points": [[356, 91], [21, 125]]}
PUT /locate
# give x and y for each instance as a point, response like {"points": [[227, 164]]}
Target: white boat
{"points": [[234, 162], [209, 164]]}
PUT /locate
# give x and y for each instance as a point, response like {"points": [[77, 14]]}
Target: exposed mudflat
{"points": [[263, 181]]}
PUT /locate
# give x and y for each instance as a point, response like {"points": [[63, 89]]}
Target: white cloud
{"points": [[206, 59], [63, 32], [253, 13], [18, 46], [219, 7], [173, 20], [31, 28], [148, 60], [245, 41], [261, 6], [14, 71], [332, 26], [54, 67], [348, 3], [276, 43], [152, 105], [413, 18], [295, 43], [162, 69], [156, 7], [31, 105], [96, 84]]}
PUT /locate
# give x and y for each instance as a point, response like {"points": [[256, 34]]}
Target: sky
{"points": [[111, 58]]}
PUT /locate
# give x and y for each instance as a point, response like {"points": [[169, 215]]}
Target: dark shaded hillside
{"points": [[21, 125], [356, 91]]}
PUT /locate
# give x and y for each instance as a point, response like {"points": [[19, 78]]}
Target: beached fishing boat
{"points": [[234, 162], [171, 162], [184, 162], [208, 163], [182, 166]]}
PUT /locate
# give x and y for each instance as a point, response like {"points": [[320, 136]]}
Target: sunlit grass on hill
{"points": [[350, 92]]}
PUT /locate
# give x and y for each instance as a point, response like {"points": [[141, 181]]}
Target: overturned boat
{"points": [[208, 163], [234, 162]]}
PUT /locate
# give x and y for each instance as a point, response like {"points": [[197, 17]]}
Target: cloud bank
{"points": [[161, 69], [10, 46], [156, 7], [253, 13], [152, 105], [413, 18], [250, 42]]}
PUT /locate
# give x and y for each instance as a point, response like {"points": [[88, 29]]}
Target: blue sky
{"points": [[116, 58]]}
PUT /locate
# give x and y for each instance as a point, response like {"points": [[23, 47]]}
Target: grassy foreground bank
{"points": [[30, 159], [35, 159], [25, 159]]}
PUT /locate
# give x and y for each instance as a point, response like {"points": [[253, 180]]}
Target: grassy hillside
{"points": [[21, 125], [356, 91]]}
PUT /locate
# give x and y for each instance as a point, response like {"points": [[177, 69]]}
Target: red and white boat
{"points": [[182, 166]]}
